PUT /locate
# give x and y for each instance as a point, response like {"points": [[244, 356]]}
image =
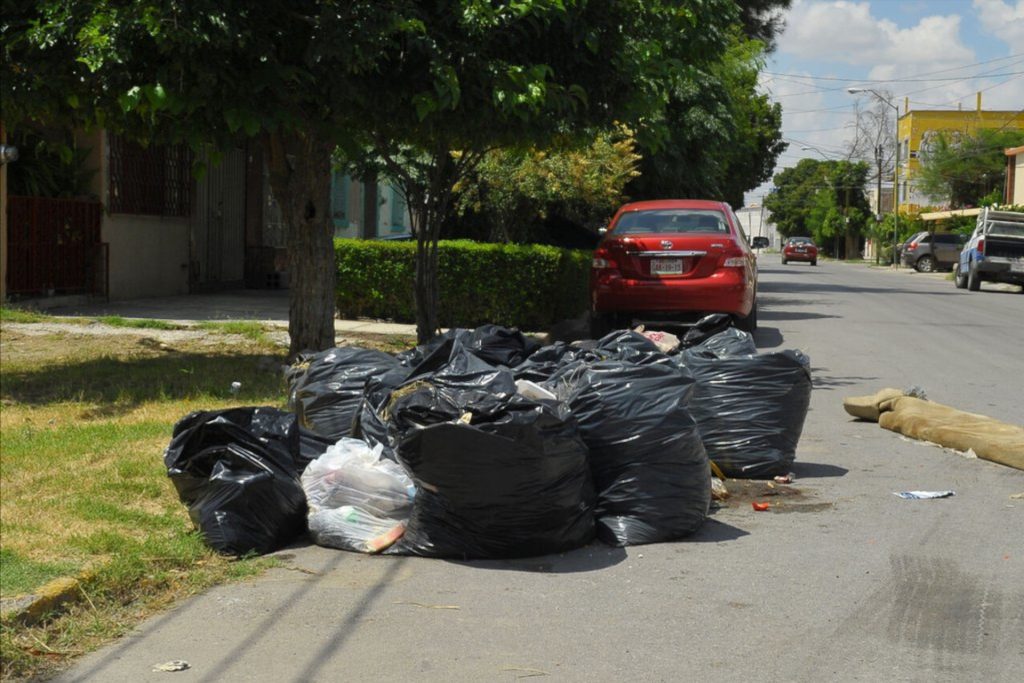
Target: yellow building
{"points": [[918, 130]]}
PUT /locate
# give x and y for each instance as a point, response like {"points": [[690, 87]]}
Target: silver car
{"points": [[927, 252]]}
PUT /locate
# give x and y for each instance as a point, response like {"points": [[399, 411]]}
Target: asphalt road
{"points": [[843, 582]]}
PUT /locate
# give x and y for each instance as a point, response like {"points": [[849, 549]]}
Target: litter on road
{"points": [[483, 444], [923, 495]]}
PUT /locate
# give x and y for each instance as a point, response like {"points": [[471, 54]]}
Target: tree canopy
{"points": [[416, 91], [962, 170], [723, 137], [821, 199]]}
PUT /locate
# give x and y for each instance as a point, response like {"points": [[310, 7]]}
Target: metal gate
{"points": [[218, 226], [54, 247]]}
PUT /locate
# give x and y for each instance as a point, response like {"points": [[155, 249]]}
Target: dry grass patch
{"points": [[87, 412]]}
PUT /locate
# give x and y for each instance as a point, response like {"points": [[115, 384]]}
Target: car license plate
{"points": [[1017, 266], [666, 266], [801, 249]]}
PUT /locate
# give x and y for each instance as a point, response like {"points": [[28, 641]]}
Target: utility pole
{"points": [[878, 200]]}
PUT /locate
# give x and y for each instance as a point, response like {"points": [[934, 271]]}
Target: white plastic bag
{"points": [[357, 500]]}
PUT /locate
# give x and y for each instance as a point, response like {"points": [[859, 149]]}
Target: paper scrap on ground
{"points": [[923, 495], [171, 666]]}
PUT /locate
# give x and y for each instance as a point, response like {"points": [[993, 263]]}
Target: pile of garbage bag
{"points": [[238, 472], [484, 444]]}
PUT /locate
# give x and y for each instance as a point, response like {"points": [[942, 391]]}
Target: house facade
{"points": [[151, 228], [918, 131], [1013, 192]]}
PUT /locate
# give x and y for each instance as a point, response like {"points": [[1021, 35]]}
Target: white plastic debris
{"points": [[236, 387], [923, 495], [172, 666]]}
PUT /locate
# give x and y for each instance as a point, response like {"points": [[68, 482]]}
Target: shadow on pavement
{"points": [[714, 531], [821, 380], [593, 557], [767, 337], [816, 470]]}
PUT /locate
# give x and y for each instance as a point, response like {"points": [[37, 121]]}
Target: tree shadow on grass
{"points": [[126, 382]]}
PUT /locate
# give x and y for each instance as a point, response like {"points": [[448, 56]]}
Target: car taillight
{"points": [[981, 246], [734, 258], [602, 261]]}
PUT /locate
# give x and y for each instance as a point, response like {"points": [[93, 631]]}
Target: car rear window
{"points": [[672, 220]]}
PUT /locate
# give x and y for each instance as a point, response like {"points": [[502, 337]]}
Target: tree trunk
{"points": [[300, 178]]}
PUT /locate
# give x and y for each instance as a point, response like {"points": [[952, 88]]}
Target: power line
{"points": [[897, 80]]}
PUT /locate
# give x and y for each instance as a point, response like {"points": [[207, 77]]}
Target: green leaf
{"points": [[73, 101]]}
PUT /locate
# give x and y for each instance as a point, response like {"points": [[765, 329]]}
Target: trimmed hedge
{"points": [[526, 286]]}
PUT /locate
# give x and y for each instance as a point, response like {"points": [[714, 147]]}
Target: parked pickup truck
{"points": [[995, 252]]}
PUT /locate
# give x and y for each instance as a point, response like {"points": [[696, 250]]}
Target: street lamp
{"points": [[809, 148], [895, 172]]}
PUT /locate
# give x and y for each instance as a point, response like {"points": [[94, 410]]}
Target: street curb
{"points": [[30, 609]]}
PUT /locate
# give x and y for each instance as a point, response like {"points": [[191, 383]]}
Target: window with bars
{"points": [[152, 181]]}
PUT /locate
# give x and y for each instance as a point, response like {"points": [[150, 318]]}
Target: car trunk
{"points": [[662, 256]]}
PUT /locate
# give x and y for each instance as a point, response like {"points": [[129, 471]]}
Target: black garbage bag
{"points": [[750, 409], [326, 388], [629, 346], [449, 364], [493, 344], [499, 345], [497, 475], [649, 467], [544, 362], [706, 327], [728, 342], [238, 472]]}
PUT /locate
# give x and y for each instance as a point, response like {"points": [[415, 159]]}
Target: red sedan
{"points": [[673, 260], [800, 249]]}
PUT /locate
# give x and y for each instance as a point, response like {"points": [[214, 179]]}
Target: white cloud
{"points": [[847, 32], [1003, 20]]}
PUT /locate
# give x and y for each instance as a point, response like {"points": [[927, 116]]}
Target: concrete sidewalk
{"points": [[262, 305]]}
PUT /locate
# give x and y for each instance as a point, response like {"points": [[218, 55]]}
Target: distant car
{"points": [[672, 260], [927, 252], [800, 249]]}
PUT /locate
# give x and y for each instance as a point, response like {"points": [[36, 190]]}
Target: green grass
{"points": [[246, 328], [20, 575], [84, 423], [139, 323], [18, 315]]}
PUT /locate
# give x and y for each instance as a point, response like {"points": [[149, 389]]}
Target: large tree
{"points": [[416, 90], [723, 138], [961, 170], [497, 75], [213, 73]]}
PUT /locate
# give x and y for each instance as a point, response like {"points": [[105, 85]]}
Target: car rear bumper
{"points": [[724, 292], [800, 257]]}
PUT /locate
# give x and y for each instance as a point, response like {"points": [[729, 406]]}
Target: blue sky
{"points": [[937, 53]]}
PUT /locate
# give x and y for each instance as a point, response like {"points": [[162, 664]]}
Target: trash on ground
{"points": [[236, 387], [1017, 496], [649, 466], [357, 499], [172, 666], [238, 471], [923, 495], [750, 408], [484, 444], [760, 506], [783, 478], [718, 489], [904, 412]]}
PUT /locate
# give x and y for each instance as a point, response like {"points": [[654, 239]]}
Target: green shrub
{"points": [[525, 286]]}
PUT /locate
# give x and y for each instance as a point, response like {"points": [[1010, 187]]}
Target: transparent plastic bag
{"points": [[357, 500]]}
